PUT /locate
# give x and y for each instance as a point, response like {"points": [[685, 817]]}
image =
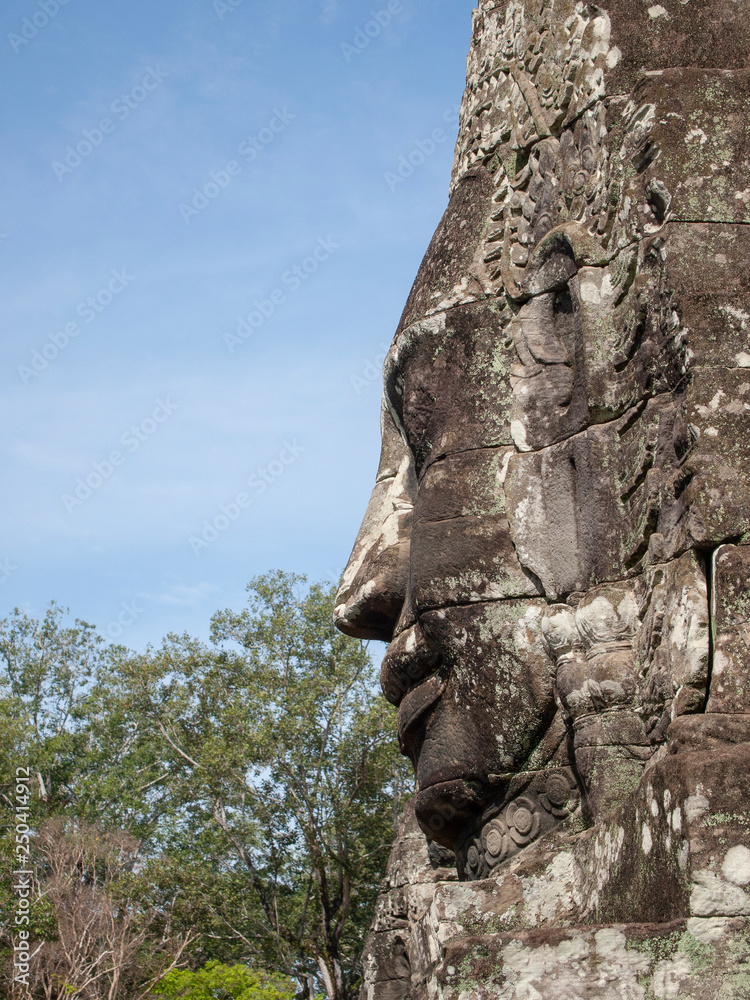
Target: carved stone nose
{"points": [[373, 587]]}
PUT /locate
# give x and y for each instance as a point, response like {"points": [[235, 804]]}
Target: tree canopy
{"points": [[211, 808]]}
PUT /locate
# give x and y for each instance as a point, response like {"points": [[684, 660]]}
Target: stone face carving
{"points": [[558, 544]]}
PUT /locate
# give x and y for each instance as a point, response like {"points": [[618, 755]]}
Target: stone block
{"points": [[673, 641], [716, 498], [707, 270], [708, 731], [468, 484], [712, 34], [447, 276], [466, 560], [581, 512], [730, 679], [689, 958], [448, 379], [633, 342], [385, 958], [690, 159]]}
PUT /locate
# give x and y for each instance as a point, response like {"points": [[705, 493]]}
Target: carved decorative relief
{"points": [[549, 799]]}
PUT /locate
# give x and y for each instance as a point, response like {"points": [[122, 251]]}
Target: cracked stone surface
{"points": [[557, 547]]}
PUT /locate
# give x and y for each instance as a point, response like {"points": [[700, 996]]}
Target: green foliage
{"points": [[284, 752], [224, 982], [46, 671], [256, 777]]}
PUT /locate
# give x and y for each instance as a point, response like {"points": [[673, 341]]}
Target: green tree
{"points": [[216, 981], [47, 670], [254, 780], [286, 748]]}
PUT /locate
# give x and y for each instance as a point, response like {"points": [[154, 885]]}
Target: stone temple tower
{"points": [[557, 547]]}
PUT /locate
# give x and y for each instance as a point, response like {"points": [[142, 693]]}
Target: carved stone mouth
{"points": [[417, 702], [407, 662], [449, 785]]}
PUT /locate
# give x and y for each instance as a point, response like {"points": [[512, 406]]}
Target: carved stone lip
{"points": [[418, 701], [453, 784], [401, 672]]}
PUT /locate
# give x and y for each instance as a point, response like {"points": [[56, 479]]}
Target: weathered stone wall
{"points": [[558, 544]]}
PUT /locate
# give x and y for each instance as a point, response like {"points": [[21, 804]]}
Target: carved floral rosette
{"points": [[549, 798]]}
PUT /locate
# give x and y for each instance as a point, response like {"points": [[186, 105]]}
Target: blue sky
{"points": [[205, 252]]}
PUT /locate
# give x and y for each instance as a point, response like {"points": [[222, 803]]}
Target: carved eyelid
{"points": [[392, 372]]}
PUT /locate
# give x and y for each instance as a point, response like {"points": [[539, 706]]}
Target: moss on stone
{"points": [[702, 956]]}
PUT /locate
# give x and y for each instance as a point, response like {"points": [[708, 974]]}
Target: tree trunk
{"points": [[327, 980], [333, 978]]}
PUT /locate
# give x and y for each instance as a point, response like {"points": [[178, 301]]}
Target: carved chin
{"points": [[444, 810], [458, 766], [447, 757], [486, 822]]}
